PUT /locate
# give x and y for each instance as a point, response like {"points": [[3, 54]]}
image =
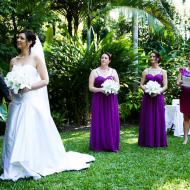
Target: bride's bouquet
{"points": [[110, 86], [17, 80], [152, 87]]}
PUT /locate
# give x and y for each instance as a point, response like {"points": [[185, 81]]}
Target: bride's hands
{"points": [[24, 90]]}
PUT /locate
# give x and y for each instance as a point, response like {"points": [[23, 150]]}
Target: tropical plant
{"points": [[17, 15]]}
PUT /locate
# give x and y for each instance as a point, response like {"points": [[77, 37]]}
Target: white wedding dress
{"points": [[32, 145]]}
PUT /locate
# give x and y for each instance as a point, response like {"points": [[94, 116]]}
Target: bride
{"points": [[32, 145]]}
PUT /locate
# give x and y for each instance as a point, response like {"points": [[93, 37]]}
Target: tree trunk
{"points": [[69, 20], [76, 24], [88, 38], [89, 19], [135, 44]]}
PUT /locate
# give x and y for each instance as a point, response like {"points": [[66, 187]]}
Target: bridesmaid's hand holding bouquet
{"points": [[110, 87], [153, 88]]}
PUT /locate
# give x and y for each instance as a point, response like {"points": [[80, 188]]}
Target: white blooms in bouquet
{"points": [[110, 86], [152, 87], [17, 80]]}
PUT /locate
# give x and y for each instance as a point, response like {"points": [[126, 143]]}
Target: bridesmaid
{"points": [[105, 124], [152, 131], [185, 99]]}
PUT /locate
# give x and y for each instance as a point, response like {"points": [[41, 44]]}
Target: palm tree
{"points": [[142, 10], [154, 8]]}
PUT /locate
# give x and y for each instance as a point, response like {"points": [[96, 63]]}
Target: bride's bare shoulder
{"points": [[14, 60], [39, 62], [35, 57]]}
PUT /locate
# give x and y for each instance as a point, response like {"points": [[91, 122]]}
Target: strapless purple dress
{"points": [[185, 94], [152, 131], [105, 123]]}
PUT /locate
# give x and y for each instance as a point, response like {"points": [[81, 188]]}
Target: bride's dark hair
{"points": [[30, 36]]}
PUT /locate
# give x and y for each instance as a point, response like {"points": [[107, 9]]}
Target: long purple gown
{"points": [[185, 94], [105, 123], [152, 131]]}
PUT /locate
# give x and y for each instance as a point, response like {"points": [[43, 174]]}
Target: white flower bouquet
{"points": [[17, 80], [110, 86], [152, 87]]}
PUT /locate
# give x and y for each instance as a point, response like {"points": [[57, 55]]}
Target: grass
{"points": [[133, 168]]}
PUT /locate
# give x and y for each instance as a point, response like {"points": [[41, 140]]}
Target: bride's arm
{"points": [[12, 63], [43, 73]]}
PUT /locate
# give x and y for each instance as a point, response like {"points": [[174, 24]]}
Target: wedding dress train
{"points": [[32, 145]]}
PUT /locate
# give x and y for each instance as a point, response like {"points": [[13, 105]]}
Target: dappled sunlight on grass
{"points": [[73, 134], [130, 140], [76, 137], [174, 184]]}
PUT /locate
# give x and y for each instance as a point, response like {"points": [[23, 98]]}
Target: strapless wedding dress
{"points": [[32, 145]]}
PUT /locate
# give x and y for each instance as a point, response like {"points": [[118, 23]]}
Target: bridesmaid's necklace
{"points": [[104, 71], [155, 67], [155, 70]]}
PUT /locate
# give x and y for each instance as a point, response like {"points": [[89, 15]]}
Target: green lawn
{"points": [[133, 168]]}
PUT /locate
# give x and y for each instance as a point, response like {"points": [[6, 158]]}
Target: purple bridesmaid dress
{"points": [[152, 131], [185, 94], [105, 123]]}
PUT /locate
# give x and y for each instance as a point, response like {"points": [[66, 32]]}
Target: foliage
{"points": [[154, 8], [131, 168], [74, 11], [130, 108], [172, 62], [6, 52], [3, 111], [170, 9], [68, 61], [69, 67], [15, 16]]}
